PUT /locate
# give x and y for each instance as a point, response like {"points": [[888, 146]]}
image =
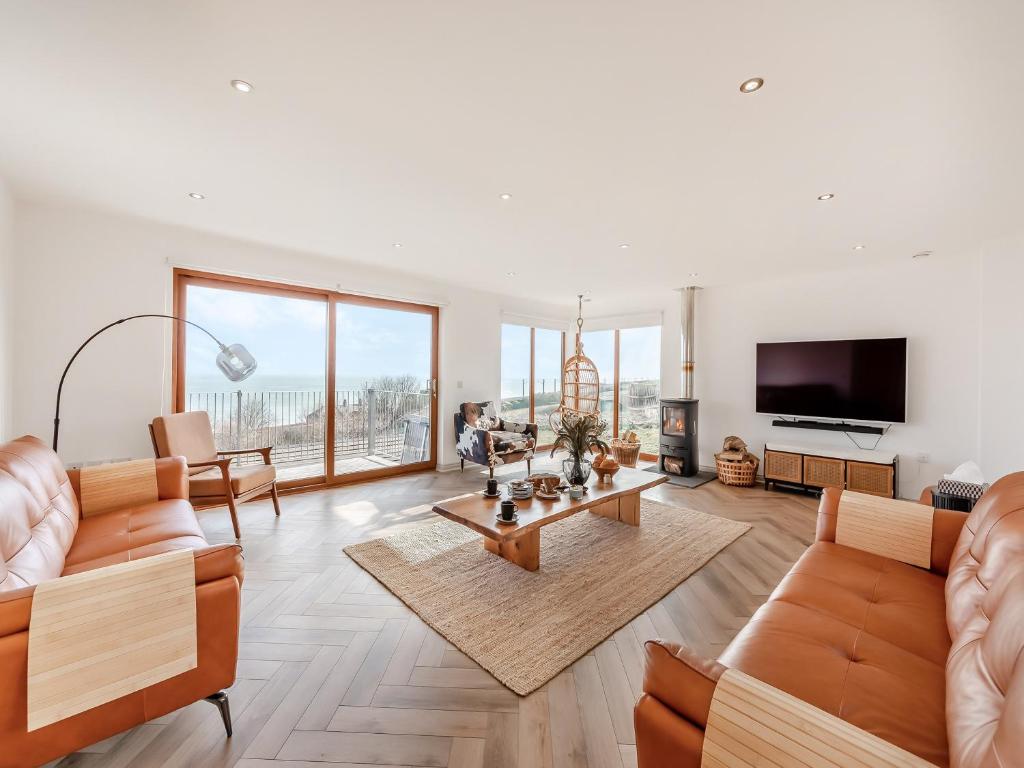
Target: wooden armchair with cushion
{"points": [[212, 479]]}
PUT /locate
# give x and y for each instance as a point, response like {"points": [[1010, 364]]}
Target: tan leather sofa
{"points": [[931, 661], [44, 537]]}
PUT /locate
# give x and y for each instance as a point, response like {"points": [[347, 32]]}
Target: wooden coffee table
{"points": [[520, 543]]}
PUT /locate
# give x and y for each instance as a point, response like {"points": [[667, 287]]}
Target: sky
{"points": [[288, 337]]}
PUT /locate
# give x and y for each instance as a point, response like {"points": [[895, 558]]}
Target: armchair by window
{"points": [[484, 438], [211, 477]]}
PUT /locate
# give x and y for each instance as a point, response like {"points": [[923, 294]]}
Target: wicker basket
{"points": [[625, 453], [741, 473]]}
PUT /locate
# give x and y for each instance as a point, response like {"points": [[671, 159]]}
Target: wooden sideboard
{"points": [[814, 468]]}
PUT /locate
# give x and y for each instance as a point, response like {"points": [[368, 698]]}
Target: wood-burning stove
{"points": [[678, 454]]}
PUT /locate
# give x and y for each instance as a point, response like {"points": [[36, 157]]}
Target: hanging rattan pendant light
{"points": [[581, 387]]}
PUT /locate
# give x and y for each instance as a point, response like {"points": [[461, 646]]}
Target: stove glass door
{"points": [[673, 420]]}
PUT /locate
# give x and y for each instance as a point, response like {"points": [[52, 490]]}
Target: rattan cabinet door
{"points": [[875, 479], [783, 466], [824, 473]]}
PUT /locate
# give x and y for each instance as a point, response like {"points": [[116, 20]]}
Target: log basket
{"points": [[625, 453], [738, 473]]}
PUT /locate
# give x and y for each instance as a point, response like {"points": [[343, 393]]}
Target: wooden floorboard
{"points": [[334, 671]]}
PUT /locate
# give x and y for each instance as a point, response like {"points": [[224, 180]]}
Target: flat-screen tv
{"points": [[856, 379]]}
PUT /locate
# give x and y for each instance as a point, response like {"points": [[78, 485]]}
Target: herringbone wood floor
{"points": [[333, 668]]}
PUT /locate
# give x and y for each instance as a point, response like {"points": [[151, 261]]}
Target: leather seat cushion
{"points": [[243, 479], [133, 533], [834, 635], [895, 602]]}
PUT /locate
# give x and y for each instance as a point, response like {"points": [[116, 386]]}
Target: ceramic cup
{"points": [[492, 487], [508, 509]]}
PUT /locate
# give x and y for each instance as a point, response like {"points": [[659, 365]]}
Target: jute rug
{"points": [[525, 627]]}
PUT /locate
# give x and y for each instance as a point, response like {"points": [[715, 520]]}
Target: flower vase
{"points": [[576, 470]]}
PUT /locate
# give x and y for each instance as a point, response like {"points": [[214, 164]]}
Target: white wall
{"points": [[934, 303], [78, 269], [1001, 394], [6, 310]]}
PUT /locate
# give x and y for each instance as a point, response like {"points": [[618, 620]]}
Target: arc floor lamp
{"points": [[234, 360]]}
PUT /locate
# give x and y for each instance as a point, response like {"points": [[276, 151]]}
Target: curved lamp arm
{"points": [[60, 387]]}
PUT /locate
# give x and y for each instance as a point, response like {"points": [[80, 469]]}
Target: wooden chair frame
{"points": [[230, 498]]}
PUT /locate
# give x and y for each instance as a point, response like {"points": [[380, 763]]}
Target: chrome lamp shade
{"points": [[236, 362]]}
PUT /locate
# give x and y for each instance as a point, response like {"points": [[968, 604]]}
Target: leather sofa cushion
{"points": [[834, 634], [895, 602], [243, 479], [133, 533], [38, 513]]}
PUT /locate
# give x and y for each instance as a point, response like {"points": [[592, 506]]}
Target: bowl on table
{"points": [[606, 470]]}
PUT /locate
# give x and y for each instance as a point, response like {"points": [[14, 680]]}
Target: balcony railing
{"points": [[367, 422]]}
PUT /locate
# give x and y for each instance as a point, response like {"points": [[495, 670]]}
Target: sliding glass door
{"points": [[384, 387], [282, 404], [345, 386]]}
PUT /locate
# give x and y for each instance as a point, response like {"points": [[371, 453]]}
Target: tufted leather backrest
{"points": [[38, 513], [985, 617]]}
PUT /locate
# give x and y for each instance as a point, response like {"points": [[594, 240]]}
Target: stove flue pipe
{"points": [[689, 300]]}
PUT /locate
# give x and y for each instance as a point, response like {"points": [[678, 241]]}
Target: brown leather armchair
{"points": [[212, 479], [44, 536]]}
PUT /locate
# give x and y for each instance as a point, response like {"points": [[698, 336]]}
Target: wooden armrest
{"points": [[215, 561], [264, 452], [901, 530], [109, 487], [99, 635], [752, 723], [946, 525], [222, 463]]}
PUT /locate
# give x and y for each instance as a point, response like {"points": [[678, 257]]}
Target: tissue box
{"points": [[954, 494]]}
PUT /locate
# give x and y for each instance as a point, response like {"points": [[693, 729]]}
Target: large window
{"points": [[345, 386], [531, 376], [599, 346], [640, 384], [629, 365], [547, 379]]}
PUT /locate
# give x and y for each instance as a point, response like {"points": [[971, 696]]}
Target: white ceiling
{"points": [[377, 122]]}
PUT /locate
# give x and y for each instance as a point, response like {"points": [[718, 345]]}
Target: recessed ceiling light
{"points": [[397, 245], [826, 196], [859, 247], [196, 196], [623, 245], [241, 85], [751, 85], [695, 274], [922, 254], [510, 274], [505, 196]]}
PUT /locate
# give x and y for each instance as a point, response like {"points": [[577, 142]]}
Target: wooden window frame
{"points": [[183, 278]]}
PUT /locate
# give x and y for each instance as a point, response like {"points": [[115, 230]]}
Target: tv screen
{"points": [[858, 379]]}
